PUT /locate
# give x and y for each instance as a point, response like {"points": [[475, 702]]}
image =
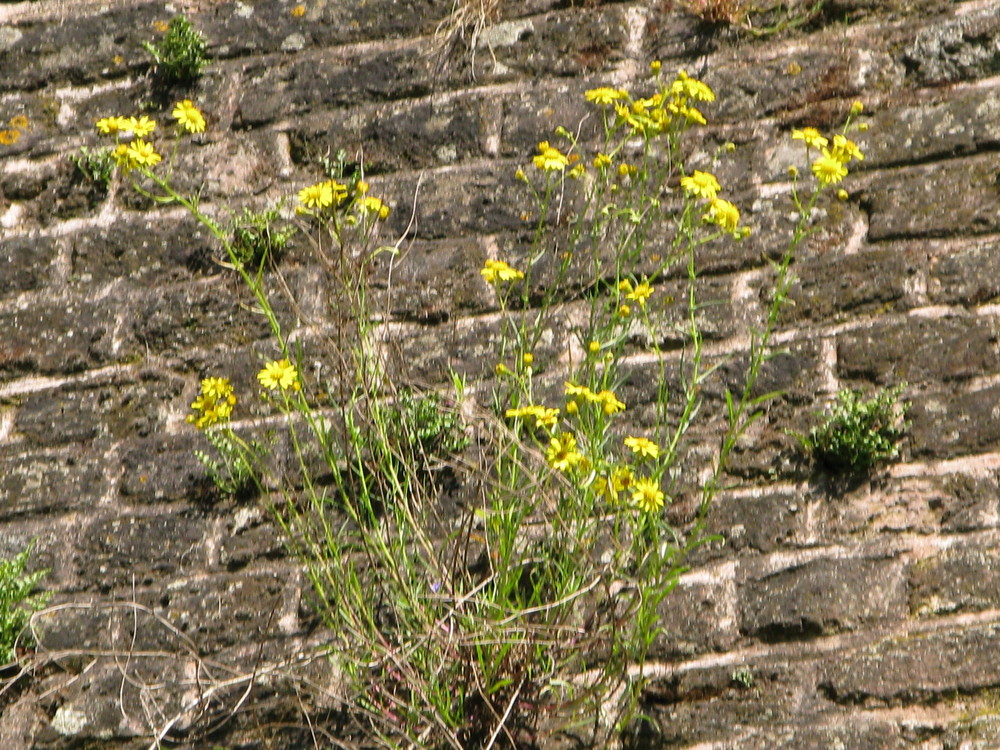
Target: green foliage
{"points": [[181, 55], [857, 433], [431, 431], [97, 165], [234, 475], [17, 601], [254, 237]]}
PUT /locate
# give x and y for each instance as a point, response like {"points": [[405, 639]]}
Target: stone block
{"points": [[50, 482], [822, 597], [918, 667], [957, 580], [27, 263], [946, 425], [918, 350], [967, 275], [906, 202], [960, 48]]}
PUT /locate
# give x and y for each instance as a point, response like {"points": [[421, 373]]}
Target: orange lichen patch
{"points": [[19, 122], [298, 11], [9, 137], [161, 26]]}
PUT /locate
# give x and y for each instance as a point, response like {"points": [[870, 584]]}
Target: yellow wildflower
{"points": [[215, 403], [701, 185], [647, 495], [643, 446], [723, 213], [655, 66], [845, 149], [140, 127], [111, 125], [498, 270], [828, 170], [842, 195], [857, 108], [141, 153], [605, 95], [279, 374], [691, 88], [319, 195], [189, 116], [641, 293], [594, 347], [373, 206], [610, 403], [562, 453], [811, 137], [550, 159]]}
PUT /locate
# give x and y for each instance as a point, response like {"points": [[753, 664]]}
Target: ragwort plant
{"points": [[539, 605]]}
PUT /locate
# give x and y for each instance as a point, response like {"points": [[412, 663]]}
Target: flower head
{"points": [[189, 117], [685, 87], [562, 453], [142, 154], [497, 270], [640, 293], [723, 213], [811, 137], [279, 374], [602, 161], [701, 185], [550, 159], [111, 125], [610, 403], [543, 416], [845, 149], [140, 127], [319, 195], [605, 95], [643, 446], [828, 170], [374, 206], [647, 495]]}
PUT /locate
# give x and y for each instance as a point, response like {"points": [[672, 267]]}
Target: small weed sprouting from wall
{"points": [[181, 56], [858, 433], [537, 604], [96, 165], [18, 600]]}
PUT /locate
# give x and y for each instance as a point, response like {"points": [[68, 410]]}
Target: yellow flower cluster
{"points": [[550, 159], [722, 213], [214, 404], [9, 136], [543, 416], [279, 374], [608, 401], [323, 194], [134, 151], [562, 453], [831, 166], [672, 106]]}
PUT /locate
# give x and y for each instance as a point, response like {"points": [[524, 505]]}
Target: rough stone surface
{"points": [[826, 611]]}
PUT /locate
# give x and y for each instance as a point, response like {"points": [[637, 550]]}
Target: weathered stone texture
{"points": [[828, 612]]}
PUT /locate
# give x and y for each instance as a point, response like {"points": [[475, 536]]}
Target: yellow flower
{"points": [[624, 311], [550, 159], [140, 127], [594, 347], [621, 480], [362, 187], [701, 185], [111, 125], [602, 161], [319, 195], [691, 88], [577, 172], [647, 495], [857, 108], [121, 156], [655, 66], [828, 170], [643, 446], [641, 293], [574, 390], [215, 403], [723, 213], [498, 270], [142, 154], [528, 359], [610, 402], [811, 137], [842, 195], [793, 172], [279, 374], [374, 206], [543, 416], [562, 454], [189, 116], [502, 370], [605, 95], [845, 149]]}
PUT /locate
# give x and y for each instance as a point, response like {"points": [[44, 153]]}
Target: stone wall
{"points": [[857, 616]]}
